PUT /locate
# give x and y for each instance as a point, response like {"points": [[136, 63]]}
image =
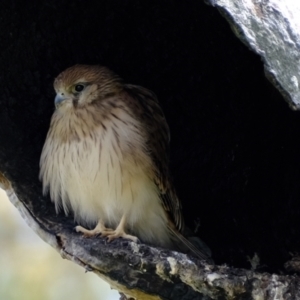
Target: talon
{"points": [[108, 232], [119, 232], [112, 235], [86, 232], [96, 231]]}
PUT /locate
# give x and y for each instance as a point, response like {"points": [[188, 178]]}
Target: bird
{"points": [[106, 160]]}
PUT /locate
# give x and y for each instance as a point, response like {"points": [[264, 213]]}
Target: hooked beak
{"points": [[59, 98]]}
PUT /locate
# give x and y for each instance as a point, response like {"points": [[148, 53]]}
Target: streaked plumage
{"points": [[105, 159]]}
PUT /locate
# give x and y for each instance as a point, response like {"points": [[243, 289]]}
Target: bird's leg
{"points": [[100, 227], [119, 232]]}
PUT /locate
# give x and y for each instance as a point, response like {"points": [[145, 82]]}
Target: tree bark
{"points": [[271, 29], [143, 272]]}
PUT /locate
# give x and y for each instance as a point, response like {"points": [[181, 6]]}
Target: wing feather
{"points": [[158, 139]]}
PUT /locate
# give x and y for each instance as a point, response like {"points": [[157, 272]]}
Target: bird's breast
{"points": [[98, 171]]}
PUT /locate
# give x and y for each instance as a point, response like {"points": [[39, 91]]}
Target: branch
{"points": [[269, 29], [144, 272]]}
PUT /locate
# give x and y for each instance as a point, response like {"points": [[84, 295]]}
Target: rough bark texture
{"points": [[234, 151], [271, 28], [144, 272]]}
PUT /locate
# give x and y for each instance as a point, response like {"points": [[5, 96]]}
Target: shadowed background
{"points": [[234, 148]]}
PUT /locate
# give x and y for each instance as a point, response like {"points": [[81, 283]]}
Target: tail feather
{"points": [[186, 246]]}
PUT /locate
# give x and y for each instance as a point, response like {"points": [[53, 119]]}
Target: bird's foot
{"points": [[114, 234], [99, 229]]}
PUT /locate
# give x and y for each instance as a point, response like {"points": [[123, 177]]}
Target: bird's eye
{"points": [[79, 87]]}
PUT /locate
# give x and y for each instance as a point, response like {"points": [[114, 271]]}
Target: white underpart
{"points": [[105, 182]]}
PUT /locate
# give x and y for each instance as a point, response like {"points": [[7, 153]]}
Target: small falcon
{"points": [[105, 159]]}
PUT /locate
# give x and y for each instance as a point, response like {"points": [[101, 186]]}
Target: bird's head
{"points": [[81, 85]]}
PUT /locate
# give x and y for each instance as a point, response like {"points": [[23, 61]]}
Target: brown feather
{"points": [[106, 158], [158, 139]]}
